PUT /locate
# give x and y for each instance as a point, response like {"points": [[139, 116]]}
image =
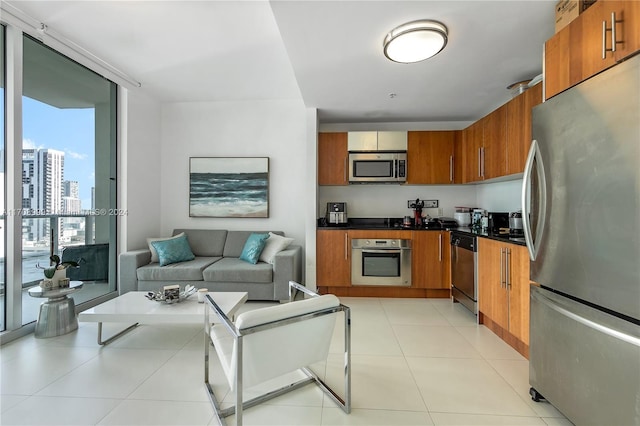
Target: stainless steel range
{"points": [[381, 262]]}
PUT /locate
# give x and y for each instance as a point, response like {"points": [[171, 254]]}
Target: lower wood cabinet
{"points": [[430, 260], [430, 263], [333, 258], [503, 291]]}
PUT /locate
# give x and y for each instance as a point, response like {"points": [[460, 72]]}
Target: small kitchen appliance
{"points": [[462, 215], [498, 223], [377, 167], [336, 213], [515, 224]]}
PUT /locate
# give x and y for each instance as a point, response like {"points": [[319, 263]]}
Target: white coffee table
{"points": [[134, 307]]}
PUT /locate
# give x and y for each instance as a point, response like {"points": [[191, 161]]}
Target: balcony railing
{"points": [[49, 239]]}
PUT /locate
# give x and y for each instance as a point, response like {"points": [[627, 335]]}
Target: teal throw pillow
{"points": [[174, 250], [253, 247]]}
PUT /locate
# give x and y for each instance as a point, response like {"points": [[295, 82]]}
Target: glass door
{"points": [[68, 173], [3, 205]]}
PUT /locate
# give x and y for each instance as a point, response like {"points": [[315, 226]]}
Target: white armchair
{"points": [[269, 342]]}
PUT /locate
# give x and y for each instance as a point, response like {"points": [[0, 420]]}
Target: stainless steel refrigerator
{"points": [[581, 210]]}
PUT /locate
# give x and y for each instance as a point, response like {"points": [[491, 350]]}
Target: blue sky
{"points": [[69, 130]]}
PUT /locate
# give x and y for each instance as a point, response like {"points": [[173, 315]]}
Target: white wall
{"points": [[140, 170], [500, 196], [391, 200], [274, 129]]}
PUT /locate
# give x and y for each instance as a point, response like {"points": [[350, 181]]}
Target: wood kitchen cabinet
{"points": [[333, 258], [503, 291], [518, 130], [458, 157], [575, 53], [472, 143], [430, 260], [332, 159], [430, 156], [494, 144]]}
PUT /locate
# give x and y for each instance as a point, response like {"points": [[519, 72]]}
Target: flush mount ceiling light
{"points": [[415, 41]]}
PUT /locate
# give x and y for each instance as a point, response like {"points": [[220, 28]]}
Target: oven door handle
{"points": [[386, 251]]}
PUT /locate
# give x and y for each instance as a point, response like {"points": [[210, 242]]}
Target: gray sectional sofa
{"points": [[216, 266]]}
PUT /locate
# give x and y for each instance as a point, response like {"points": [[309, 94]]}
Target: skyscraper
{"points": [[71, 202], [42, 176]]}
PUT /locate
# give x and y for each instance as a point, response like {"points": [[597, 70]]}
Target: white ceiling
{"points": [[327, 53]]}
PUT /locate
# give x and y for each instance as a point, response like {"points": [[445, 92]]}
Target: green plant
{"points": [[56, 264]]}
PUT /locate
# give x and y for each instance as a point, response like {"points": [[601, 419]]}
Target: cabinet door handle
{"points": [[501, 267], [479, 162], [613, 32], [346, 247], [482, 162], [613, 35], [604, 40], [451, 168], [508, 268], [440, 247], [345, 169]]}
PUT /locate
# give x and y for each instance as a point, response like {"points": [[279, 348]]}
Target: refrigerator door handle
{"points": [[616, 334], [533, 241]]}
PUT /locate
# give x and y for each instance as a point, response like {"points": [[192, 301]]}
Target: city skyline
{"points": [[69, 130]]}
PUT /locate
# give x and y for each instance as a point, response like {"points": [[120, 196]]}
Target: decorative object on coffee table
{"points": [[172, 294], [229, 187]]}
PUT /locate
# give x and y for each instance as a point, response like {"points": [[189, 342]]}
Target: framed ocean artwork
{"points": [[229, 187]]}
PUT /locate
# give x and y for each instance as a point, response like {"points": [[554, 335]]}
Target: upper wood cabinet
{"points": [[584, 47], [472, 151], [518, 138], [494, 147], [430, 260], [332, 159], [430, 157]]}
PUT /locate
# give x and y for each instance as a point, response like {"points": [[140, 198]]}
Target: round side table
{"points": [[58, 313]]}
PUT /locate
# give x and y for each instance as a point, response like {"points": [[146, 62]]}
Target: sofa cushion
{"points": [[236, 240], [205, 242], [184, 271], [274, 245], [152, 249], [173, 250], [253, 248], [232, 269]]}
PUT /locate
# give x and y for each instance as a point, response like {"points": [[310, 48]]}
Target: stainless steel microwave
{"points": [[378, 167]]}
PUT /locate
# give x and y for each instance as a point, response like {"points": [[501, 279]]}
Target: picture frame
{"points": [[232, 187]]}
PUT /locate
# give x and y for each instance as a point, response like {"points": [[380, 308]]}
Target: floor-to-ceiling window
{"points": [[3, 277], [68, 172], [60, 181]]}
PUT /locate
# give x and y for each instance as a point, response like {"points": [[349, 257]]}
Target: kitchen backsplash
{"points": [[391, 200]]}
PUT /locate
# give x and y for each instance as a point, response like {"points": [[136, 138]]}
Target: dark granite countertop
{"points": [[395, 224]]}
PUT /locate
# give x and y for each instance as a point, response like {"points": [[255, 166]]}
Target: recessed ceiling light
{"points": [[415, 41]]}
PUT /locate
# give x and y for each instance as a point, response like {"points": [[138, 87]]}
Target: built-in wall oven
{"points": [[464, 270], [382, 262]]}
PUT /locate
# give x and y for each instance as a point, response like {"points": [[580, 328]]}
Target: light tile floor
{"points": [[415, 362]]}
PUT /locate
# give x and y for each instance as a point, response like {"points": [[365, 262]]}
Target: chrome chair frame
{"points": [[311, 377]]}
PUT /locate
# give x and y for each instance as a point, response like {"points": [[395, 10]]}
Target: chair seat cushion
{"points": [[234, 270], [183, 271]]}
